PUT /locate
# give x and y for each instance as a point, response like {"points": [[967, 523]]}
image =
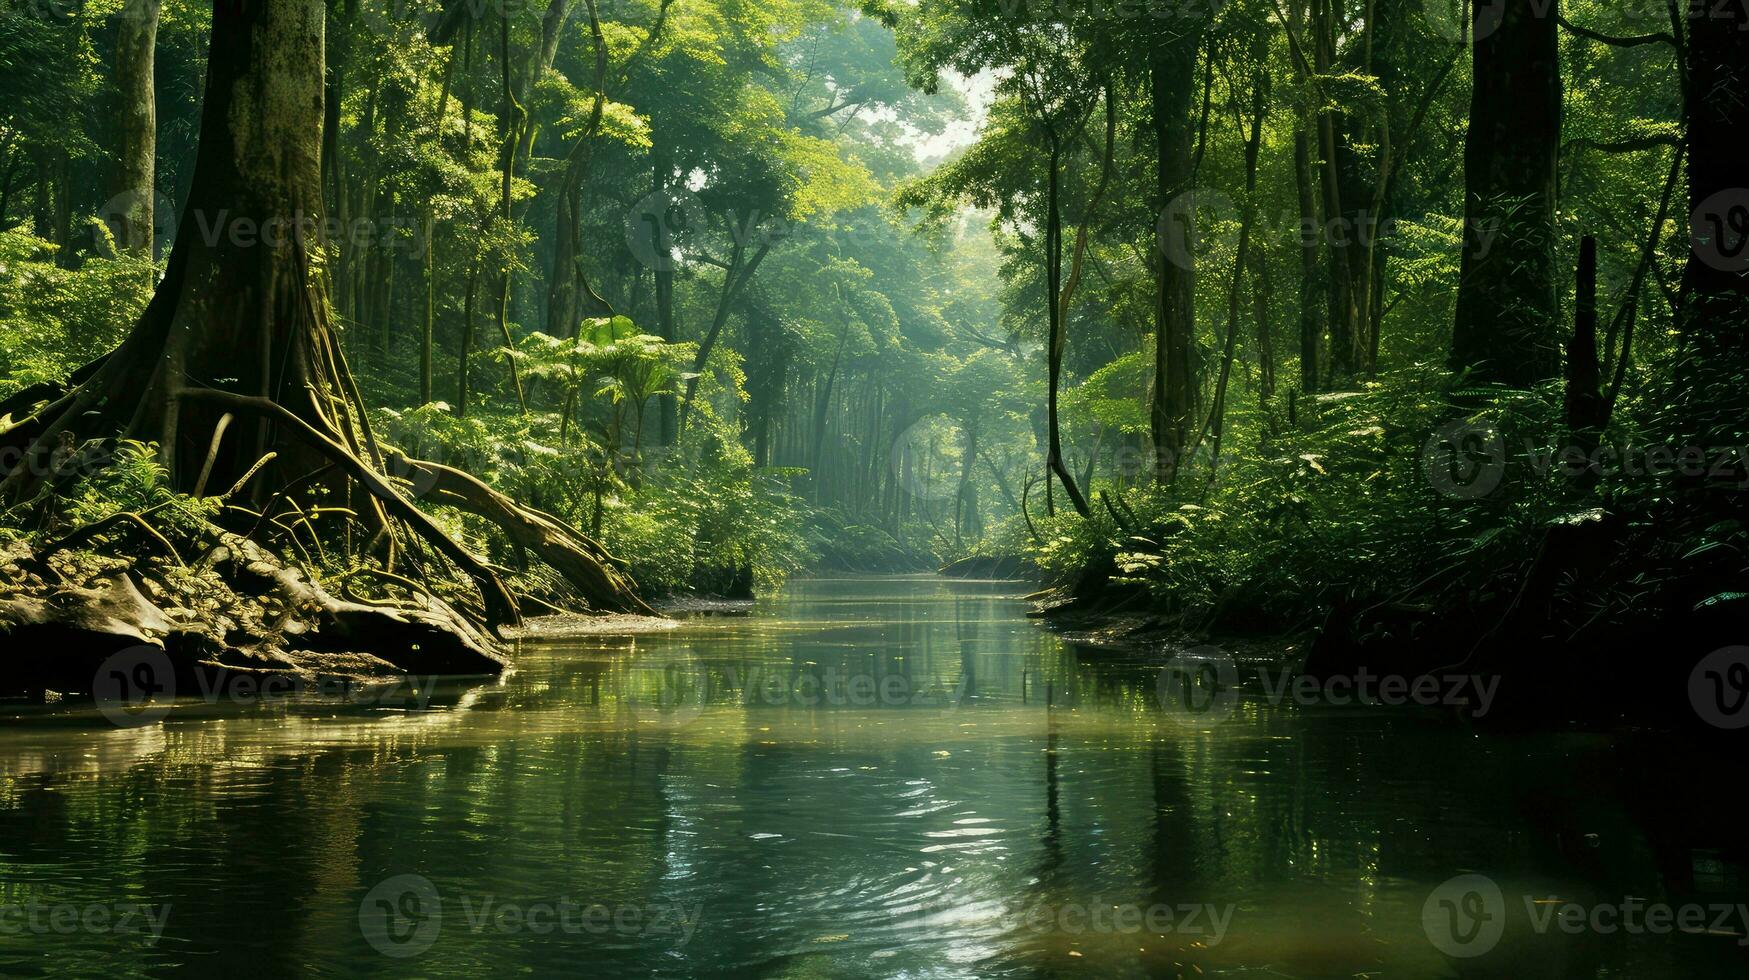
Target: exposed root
{"points": [[583, 562], [240, 611], [501, 606]]}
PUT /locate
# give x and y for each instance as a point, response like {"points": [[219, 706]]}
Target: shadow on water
{"points": [[890, 776]]}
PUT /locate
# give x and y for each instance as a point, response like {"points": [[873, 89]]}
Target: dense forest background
{"points": [[1264, 314]]}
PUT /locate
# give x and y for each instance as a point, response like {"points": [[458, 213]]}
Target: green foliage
{"points": [[134, 482], [1347, 509], [53, 320], [706, 516]]}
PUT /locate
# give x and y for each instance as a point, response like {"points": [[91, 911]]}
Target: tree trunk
{"points": [[1343, 306], [569, 296], [1312, 309], [1217, 420], [1173, 81], [1058, 338], [552, 24], [136, 171], [427, 335], [514, 119], [1709, 408], [240, 325], [1587, 411], [664, 273], [1507, 329], [734, 281]]}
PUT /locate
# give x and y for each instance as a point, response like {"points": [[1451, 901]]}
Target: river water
{"points": [[866, 777]]}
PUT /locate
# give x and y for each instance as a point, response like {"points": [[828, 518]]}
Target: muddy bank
{"points": [[615, 624], [991, 567], [236, 611], [1139, 634]]}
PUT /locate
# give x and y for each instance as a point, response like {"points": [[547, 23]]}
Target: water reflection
{"points": [[864, 778]]}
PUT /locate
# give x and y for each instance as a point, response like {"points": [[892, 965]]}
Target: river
{"points": [[865, 777]]}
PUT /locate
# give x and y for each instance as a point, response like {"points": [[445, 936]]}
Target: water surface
{"points": [[867, 777]]}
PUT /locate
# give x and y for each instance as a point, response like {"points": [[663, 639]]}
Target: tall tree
{"points": [[1508, 329], [240, 327], [1713, 322], [136, 169], [1172, 90]]}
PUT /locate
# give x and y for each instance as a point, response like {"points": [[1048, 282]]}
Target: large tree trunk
{"points": [[240, 326], [1713, 322], [1507, 329], [136, 171], [1173, 83]]}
